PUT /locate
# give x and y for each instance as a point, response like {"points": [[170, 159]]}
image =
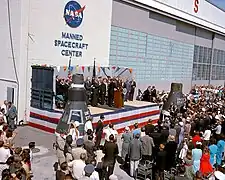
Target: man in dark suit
{"points": [[90, 148], [149, 128], [161, 162], [133, 86], [87, 86], [111, 151], [128, 87], [111, 88], [95, 93], [102, 92], [99, 131]]}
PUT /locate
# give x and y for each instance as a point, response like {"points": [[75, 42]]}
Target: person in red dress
{"points": [[205, 166]]}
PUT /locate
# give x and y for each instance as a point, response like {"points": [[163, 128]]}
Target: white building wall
{"points": [[43, 21], [47, 24], [7, 72]]}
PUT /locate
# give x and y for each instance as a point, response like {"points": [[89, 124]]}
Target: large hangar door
{"points": [[42, 87], [10, 94]]}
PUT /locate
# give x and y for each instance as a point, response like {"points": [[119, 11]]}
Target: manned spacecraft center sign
{"points": [[72, 44]]}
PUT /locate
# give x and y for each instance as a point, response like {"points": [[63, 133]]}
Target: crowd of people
{"points": [[15, 162], [189, 139], [99, 90]]}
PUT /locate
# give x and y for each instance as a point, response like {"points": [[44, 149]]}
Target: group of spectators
{"points": [[189, 139], [91, 157], [15, 162]]}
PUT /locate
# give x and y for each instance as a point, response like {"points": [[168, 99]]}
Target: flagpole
{"points": [[94, 70], [69, 67]]}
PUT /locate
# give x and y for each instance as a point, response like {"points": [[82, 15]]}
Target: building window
{"points": [[218, 65], [201, 64], [151, 57]]}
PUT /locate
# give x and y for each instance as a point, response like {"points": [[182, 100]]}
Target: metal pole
{"points": [[212, 56], [69, 67]]}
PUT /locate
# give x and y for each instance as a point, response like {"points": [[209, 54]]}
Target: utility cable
{"points": [[12, 50]]}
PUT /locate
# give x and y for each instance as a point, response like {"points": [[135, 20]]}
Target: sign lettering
{"points": [[196, 5]]}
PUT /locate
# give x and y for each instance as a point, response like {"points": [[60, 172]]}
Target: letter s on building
{"points": [[196, 4]]}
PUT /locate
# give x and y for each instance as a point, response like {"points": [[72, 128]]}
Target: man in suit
{"points": [[133, 86], [111, 152], [128, 87], [95, 93], [102, 91], [161, 162], [87, 86], [89, 146], [99, 131], [11, 116], [111, 88]]}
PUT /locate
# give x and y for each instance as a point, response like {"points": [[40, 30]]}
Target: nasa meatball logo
{"points": [[73, 14]]}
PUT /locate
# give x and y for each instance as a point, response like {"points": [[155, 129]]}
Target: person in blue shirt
{"points": [[219, 154], [213, 151], [136, 130]]}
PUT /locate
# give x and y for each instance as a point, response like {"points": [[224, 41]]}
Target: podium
{"points": [[118, 101]]}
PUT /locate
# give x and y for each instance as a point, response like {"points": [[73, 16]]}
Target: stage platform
{"points": [[132, 112]]}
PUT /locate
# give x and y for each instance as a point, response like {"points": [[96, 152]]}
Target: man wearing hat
{"points": [[76, 152], [88, 169], [99, 131]]}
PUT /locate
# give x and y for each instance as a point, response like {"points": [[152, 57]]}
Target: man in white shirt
{"points": [[78, 166], [5, 106], [88, 125], [110, 130], [218, 129], [207, 134], [4, 155]]}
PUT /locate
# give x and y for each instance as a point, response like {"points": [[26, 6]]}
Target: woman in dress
{"points": [[196, 156], [126, 137], [188, 162], [205, 166], [213, 150]]}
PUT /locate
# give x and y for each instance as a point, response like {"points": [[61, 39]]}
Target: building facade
{"points": [[162, 41], [168, 41]]}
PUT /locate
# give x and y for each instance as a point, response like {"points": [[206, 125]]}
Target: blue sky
{"points": [[220, 3]]}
